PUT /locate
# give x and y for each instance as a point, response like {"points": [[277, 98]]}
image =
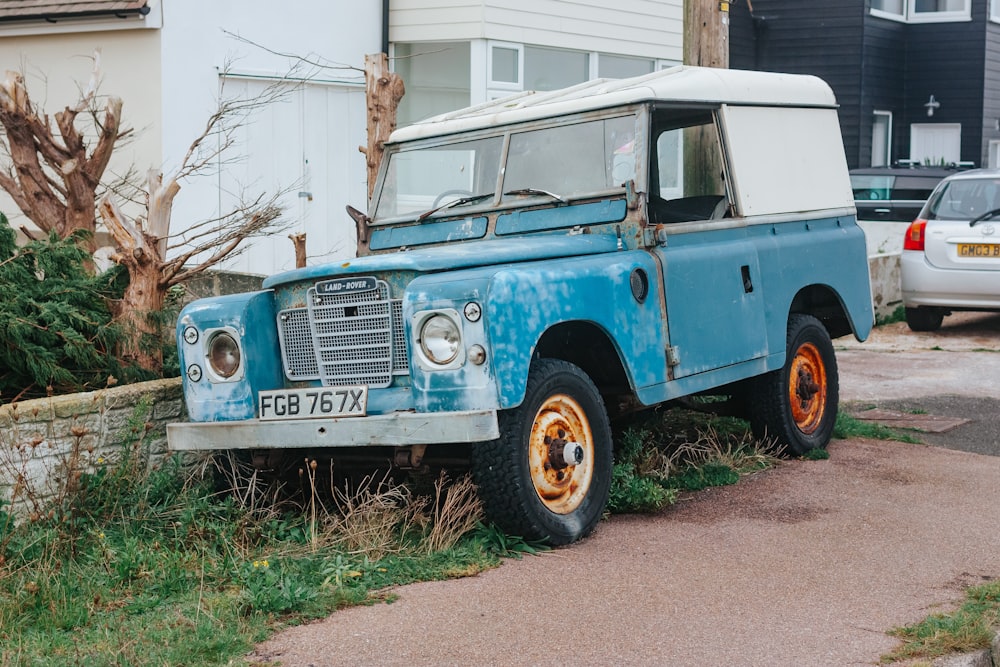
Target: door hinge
{"points": [[673, 356]]}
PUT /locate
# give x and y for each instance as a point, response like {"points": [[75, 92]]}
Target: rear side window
{"points": [[963, 199]]}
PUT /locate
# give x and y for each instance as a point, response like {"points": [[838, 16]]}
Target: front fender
{"points": [[523, 301], [252, 317]]}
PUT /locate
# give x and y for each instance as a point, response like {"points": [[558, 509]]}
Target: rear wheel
{"points": [[548, 476], [797, 404], [924, 318]]}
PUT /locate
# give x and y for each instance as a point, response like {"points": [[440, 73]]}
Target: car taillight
{"points": [[915, 235]]}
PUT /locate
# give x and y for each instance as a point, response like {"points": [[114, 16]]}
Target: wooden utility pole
{"points": [[706, 44], [706, 33]]}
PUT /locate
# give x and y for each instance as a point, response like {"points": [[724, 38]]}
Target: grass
{"points": [[135, 565], [852, 427], [670, 451], [131, 564], [968, 628], [897, 315]]}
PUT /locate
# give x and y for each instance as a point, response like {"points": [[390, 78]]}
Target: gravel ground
{"points": [[806, 564]]}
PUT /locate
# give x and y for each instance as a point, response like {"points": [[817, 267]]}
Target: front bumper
{"points": [[398, 429]]}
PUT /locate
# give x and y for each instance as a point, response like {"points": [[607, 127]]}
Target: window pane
{"points": [[934, 6], [622, 67], [437, 77], [889, 6], [552, 69], [505, 64], [418, 180], [573, 159]]}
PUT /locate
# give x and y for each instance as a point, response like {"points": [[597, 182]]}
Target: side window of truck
{"points": [[684, 187]]}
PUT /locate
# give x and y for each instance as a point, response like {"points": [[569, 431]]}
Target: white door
{"points": [[935, 143], [307, 145], [881, 137]]}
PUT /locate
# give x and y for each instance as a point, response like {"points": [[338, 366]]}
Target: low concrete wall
{"points": [[886, 293], [46, 443]]}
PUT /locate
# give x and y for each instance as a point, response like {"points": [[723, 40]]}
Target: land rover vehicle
{"points": [[951, 252], [532, 266]]}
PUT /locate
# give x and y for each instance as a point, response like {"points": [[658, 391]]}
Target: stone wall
{"points": [[46, 443]]}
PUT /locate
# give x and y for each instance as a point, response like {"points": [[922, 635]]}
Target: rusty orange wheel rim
{"points": [[807, 388], [559, 423]]}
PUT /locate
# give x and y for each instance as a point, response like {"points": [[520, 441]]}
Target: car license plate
{"points": [[979, 249], [312, 403]]}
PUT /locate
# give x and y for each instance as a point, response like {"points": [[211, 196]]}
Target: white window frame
{"points": [[938, 17], [993, 156], [995, 11], [888, 135], [514, 86], [910, 14], [890, 15]]}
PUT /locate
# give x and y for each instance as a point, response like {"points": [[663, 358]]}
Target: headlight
{"points": [[224, 355], [440, 339]]}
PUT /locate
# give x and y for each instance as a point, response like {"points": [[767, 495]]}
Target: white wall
{"points": [[647, 28], [326, 115], [56, 66]]}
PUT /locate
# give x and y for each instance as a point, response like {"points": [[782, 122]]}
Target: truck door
{"points": [[711, 272]]}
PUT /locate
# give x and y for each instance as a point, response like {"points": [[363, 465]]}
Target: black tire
{"points": [[559, 502], [924, 318], [797, 404]]}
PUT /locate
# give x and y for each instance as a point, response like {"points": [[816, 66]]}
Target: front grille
{"points": [[345, 339]]}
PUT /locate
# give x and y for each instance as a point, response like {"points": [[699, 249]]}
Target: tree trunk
{"points": [[299, 241], [143, 297], [383, 90]]}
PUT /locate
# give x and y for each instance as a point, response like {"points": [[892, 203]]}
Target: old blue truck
{"points": [[534, 266]]}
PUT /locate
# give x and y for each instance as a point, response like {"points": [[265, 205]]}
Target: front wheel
{"points": [[548, 476], [797, 404]]}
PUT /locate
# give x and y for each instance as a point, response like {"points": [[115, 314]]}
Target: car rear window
{"points": [[963, 199]]}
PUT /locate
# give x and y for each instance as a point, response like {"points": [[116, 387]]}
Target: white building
{"points": [[168, 60]]}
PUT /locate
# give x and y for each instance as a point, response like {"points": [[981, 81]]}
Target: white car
{"points": [[951, 253]]}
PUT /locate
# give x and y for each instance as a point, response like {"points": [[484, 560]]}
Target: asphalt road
{"points": [[806, 564]]}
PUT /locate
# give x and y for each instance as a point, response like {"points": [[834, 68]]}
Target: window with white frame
{"points": [[925, 11], [552, 69], [995, 10], [505, 66], [891, 9], [623, 67]]}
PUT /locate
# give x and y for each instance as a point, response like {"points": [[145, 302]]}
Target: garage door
{"points": [[306, 143]]}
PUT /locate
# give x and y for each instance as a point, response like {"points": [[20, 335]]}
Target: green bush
{"points": [[56, 330]]}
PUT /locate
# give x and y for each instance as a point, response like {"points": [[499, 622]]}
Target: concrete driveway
{"points": [[806, 564]]}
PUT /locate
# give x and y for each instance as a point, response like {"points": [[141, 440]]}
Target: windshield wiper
{"points": [[536, 191], [984, 216], [471, 199]]}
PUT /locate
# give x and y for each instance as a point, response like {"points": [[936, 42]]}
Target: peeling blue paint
{"points": [[428, 233], [536, 220]]}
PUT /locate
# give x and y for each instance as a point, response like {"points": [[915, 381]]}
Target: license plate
{"points": [[979, 249], [312, 403]]}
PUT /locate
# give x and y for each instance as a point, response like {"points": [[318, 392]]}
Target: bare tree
{"points": [[53, 173], [158, 259]]}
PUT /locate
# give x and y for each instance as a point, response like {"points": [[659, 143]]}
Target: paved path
{"points": [[806, 564]]}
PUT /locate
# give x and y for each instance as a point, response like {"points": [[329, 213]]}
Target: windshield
{"points": [[569, 160], [558, 163], [963, 199], [421, 179]]}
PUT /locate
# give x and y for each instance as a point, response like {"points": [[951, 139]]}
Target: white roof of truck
{"points": [[681, 84]]}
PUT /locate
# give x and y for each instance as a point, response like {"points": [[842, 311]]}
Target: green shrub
{"points": [[56, 330]]}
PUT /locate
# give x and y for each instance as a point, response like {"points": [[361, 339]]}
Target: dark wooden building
{"points": [[915, 79]]}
